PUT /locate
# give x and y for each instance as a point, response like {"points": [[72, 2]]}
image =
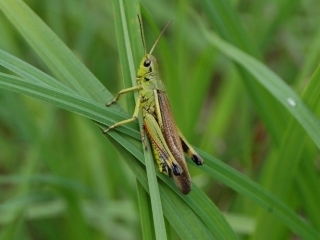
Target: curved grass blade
{"points": [[54, 53], [274, 84]]}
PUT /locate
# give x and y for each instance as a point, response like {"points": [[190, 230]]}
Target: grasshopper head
{"points": [[149, 64]]}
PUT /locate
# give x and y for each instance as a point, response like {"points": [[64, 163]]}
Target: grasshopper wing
{"points": [[171, 135]]}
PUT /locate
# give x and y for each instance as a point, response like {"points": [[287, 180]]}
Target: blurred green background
{"points": [[60, 178]]}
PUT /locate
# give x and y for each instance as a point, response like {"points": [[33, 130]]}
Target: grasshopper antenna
{"points": [[142, 37], [154, 45]]}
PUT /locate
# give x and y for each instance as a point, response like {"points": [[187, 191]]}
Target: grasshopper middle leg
{"points": [[134, 116]]}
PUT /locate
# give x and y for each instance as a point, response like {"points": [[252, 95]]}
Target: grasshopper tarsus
{"points": [[106, 130], [197, 159], [110, 103]]}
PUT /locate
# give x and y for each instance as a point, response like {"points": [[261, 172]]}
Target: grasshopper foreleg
{"points": [[134, 117], [123, 91]]}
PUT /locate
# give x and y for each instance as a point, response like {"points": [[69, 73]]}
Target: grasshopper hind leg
{"points": [[189, 150], [192, 154], [160, 148], [163, 165]]}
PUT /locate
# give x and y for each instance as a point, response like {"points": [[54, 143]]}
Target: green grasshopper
{"points": [[167, 141]]}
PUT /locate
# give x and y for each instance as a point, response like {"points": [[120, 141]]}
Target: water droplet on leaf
{"points": [[291, 102]]}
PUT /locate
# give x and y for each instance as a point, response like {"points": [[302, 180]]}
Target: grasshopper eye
{"points": [[147, 62]]}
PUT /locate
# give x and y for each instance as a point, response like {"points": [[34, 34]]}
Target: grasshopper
{"points": [[167, 141]]}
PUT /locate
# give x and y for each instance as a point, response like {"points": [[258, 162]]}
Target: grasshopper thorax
{"points": [[148, 66]]}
